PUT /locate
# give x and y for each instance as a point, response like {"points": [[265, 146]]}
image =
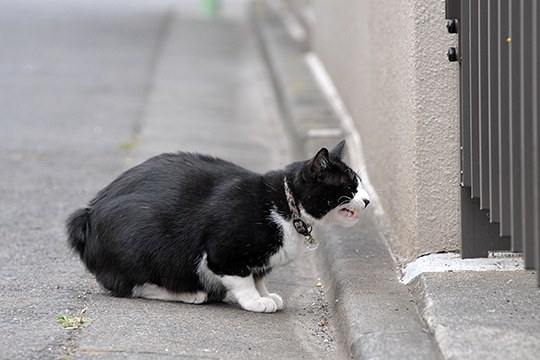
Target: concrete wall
{"points": [[387, 59]]}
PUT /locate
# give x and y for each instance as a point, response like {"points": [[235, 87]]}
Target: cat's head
{"points": [[328, 190]]}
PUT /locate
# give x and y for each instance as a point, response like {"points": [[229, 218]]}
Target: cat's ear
{"points": [[319, 163], [338, 151]]}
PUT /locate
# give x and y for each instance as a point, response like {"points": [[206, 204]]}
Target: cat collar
{"points": [[300, 225]]}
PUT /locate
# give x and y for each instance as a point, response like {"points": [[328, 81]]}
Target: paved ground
{"points": [[89, 89], [92, 87]]}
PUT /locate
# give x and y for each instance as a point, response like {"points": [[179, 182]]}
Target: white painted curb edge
{"points": [[447, 262]]}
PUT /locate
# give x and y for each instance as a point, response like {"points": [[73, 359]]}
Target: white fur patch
{"points": [[292, 242], [243, 289], [152, 291], [212, 283]]}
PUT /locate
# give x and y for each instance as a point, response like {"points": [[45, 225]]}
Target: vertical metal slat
{"points": [[526, 115], [474, 98], [515, 125], [483, 97], [465, 97], [493, 109], [536, 132], [504, 41]]}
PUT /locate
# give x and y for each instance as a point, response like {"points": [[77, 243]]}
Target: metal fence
{"points": [[499, 54]]}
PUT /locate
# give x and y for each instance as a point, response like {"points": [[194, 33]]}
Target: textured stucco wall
{"points": [[387, 59]]}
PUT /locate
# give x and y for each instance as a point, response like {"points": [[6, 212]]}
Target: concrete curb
{"points": [[376, 315]]}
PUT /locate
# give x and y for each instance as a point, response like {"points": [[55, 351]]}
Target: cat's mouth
{"points": [[349, 214]]}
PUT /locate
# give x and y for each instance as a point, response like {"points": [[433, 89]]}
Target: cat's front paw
{"points": [[277, 299], [262, 304]]}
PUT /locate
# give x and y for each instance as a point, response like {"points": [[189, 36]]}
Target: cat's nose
{"points": [[366, 202]]}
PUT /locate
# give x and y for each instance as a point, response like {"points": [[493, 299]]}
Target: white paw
{"points": [[262, 304], [197, 298], [277, 299]]}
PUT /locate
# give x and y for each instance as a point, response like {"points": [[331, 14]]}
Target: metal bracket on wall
{"points": [[453, 9]]}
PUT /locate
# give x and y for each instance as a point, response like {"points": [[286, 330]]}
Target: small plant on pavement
{"points": [[73, 322]]}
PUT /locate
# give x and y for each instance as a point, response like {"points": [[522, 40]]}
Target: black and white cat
{"points": [[189, 227]]}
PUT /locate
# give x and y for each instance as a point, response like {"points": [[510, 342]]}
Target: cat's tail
{"points": [[77, 229]]}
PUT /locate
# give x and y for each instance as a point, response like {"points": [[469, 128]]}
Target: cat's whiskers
{"points": [[347, 200]]}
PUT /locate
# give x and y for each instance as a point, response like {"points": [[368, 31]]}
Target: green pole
{"points": [[210, 8]]}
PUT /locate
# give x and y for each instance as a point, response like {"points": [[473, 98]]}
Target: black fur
{"points": [[155, 221]]}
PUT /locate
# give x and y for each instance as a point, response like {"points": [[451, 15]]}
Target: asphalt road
{"points": [[90, 88]]}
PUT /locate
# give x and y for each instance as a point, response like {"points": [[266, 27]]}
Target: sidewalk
{"points": [[450, 314]]}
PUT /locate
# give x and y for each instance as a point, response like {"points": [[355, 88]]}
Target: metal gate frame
{"points": [[499, 55]]}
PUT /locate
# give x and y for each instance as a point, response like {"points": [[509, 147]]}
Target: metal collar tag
{"points": [[300, 225]]}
